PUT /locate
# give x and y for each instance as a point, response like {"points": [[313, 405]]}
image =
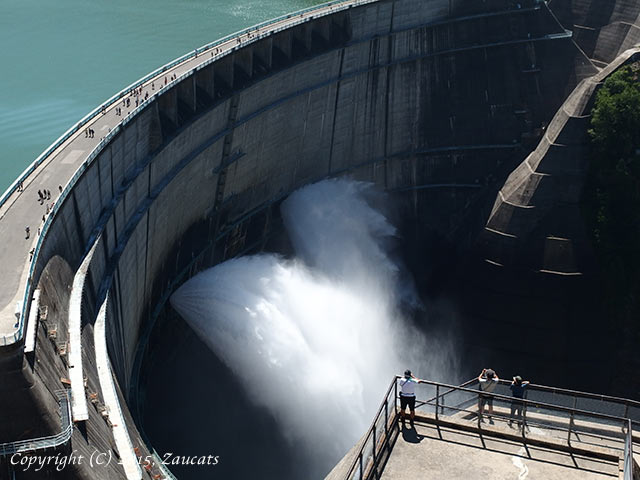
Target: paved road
{"points": [[23, 209]]}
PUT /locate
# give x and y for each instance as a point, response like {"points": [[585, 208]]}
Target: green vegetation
{"points": [[611, 198], [612, 194]]}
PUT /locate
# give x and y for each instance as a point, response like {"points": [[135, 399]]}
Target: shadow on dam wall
{"points": [[195, 406]]}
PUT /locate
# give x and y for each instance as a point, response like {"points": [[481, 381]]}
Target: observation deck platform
{"points": [[430, 452], [562, 434]]}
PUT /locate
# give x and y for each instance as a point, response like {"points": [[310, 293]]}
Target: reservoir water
{"points": [[59, 60]]}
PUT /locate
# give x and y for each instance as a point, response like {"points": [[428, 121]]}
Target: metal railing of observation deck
{"points": [[52, 441], [628, 453], [258, 32], [377, 439], [592, 402], [565, 424]]}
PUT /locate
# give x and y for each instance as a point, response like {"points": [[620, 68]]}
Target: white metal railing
{"points": [[30, 445]]}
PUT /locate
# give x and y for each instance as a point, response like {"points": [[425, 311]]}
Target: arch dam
{"points": [[472, 114]]}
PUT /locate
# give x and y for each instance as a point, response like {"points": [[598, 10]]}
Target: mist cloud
{"points": [[315, 339]]}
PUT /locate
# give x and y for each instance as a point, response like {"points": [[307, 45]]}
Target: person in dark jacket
{"points": [[518, 388]]}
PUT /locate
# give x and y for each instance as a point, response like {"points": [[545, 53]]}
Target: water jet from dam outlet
{"points": [[314, 338]]}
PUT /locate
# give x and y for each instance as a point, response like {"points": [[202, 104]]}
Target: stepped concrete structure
{"points": [[472, 114], [535, 231]]}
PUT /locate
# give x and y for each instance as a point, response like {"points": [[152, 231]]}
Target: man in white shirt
{"points": [[488, 380], [408, 395]]}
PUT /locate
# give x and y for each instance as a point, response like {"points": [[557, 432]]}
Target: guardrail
{"points": [[593, 402], [296, 18], [533, 413], [377, 437], [613, 432], [25, 446]]}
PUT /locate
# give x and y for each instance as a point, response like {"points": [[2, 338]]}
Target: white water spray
{"points": [[315, 339]]}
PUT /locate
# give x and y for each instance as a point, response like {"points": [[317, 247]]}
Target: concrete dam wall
{"points": [[433, 101], [223, 144]]}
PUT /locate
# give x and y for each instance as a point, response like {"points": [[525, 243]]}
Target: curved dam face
{"points": [[435, 102]]}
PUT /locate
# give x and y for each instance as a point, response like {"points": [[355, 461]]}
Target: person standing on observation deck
{"points": [[408, 395], [488, 380]]}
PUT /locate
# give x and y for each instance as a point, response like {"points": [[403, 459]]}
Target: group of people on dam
{"points": [[488, 380], [140, 95], [43, 195]]}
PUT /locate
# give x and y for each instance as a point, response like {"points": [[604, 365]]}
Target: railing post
{"points": [[630, 438], [361, 471], [437, 401], [524, 416], [386, 416], [625, 462], [395, 397], [570, 425], [373, 451]]}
